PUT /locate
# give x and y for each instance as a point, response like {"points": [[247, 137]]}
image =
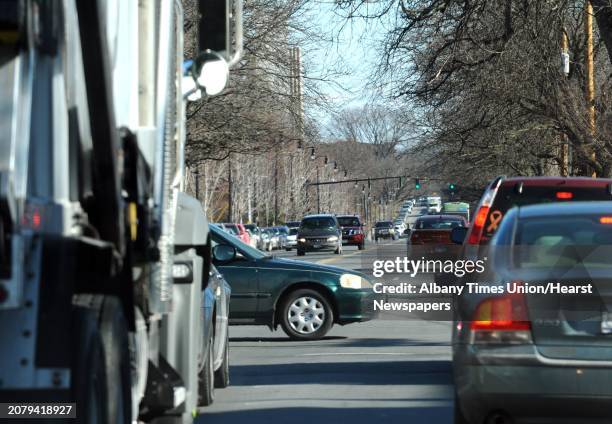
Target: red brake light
{"points": [[478, 226], [605, 220], [565, 195], [503, 313]]}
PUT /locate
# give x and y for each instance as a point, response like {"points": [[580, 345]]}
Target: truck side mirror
{"points": [[210, 72], [458, 234]]}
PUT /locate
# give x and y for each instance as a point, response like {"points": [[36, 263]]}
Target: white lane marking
{"points": [[353, 353]]}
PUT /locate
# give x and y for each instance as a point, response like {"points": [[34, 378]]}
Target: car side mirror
{"points": [[224, 253], [458, 234]]}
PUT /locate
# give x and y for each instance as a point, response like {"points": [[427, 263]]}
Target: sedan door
{"points": [[242, 276]]}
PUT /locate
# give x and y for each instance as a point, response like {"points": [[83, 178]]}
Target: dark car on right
{"points": [[319, 232], [504, 193]]}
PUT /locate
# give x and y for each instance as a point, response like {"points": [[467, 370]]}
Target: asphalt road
{"points": [[385, 370]]}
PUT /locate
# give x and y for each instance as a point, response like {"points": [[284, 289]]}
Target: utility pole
{"points": [[197, 182], [565, 148], [590, 74], [229, 188], [318, 192], [276, 189]]}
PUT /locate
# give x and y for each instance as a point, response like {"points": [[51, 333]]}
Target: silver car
{"points": [[214, 365], [533, 342]]}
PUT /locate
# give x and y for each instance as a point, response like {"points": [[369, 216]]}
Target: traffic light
{"points": [[452, 186], [417, 184]]}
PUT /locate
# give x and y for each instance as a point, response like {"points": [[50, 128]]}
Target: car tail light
{"points": [[415, 239], [564, 195], [478, 226], [480, 219], [605, 220], [501, 320]]}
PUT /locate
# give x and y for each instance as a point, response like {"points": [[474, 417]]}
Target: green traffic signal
{"points": [[417, 184], [451, 186]]}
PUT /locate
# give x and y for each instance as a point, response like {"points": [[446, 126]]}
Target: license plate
{"points": [[316, 246]]}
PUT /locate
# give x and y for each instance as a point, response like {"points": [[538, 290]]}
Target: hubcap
{"points": [[306, 315]]}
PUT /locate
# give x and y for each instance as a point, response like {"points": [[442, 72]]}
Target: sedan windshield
{"points": [[318, 223], [387, 224], [348, 222]]}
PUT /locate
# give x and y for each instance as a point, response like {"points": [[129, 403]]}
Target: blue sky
{"points": [[355, 49]]}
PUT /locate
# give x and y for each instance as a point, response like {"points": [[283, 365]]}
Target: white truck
{"points": [[103, 257], [434, 204]]}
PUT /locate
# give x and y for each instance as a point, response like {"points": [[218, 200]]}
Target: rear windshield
{"points": [[507, 198], [293, 231], [348, 221], [437, 224], [316, 223], [563, 242], [387, 224]]}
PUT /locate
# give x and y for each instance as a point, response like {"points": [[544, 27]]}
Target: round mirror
{"points": [[224, 252], [210, 72]]}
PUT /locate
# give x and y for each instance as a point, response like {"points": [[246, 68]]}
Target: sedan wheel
{"points": [[306, 315]]}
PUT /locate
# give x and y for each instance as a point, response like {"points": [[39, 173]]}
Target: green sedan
{"points": [[305, 299]]}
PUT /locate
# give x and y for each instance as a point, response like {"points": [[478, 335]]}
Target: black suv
{"points": [[384, 230], [319, 232]]}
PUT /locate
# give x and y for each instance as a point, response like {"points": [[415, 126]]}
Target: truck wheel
{"points": [[306, 315], [114, 337], [88, 372], [206, 378], [361, 246], [222, 379]]}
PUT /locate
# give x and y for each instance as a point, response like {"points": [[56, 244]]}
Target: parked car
{"points": [[520, 356], [283, 233], [239, 231], [255, 236], [291, 239], [352, 231], [274, 238], [319, 232], [384, 230], [304, 298], [266, 240], [214, 372]]}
